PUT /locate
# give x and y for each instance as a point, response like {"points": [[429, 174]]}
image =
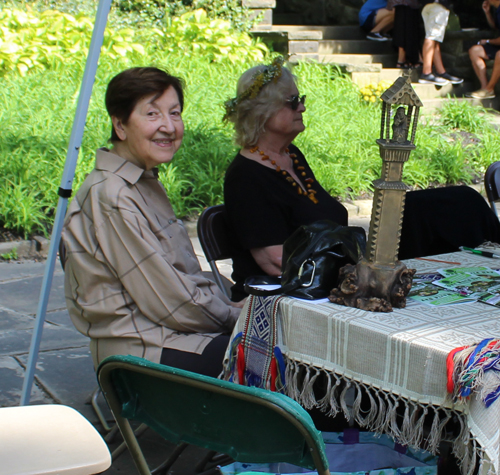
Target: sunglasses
{"points": [[294, 101]]}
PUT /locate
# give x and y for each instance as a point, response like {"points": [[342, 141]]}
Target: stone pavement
{"points": [[65, 373]]}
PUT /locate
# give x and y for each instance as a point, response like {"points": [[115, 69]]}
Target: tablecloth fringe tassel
{"points": [[382, 414]]}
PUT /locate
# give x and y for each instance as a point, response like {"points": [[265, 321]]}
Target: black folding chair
{"points": [[214, 236], [492, 184]]}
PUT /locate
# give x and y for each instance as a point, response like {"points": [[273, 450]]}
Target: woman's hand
{"points": [[269, 259], [486, 7]]}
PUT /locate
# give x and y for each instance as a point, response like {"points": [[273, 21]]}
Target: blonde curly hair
{"points": [[251, 115]]}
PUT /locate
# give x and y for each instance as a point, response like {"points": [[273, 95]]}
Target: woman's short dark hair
{"points": [[127, 88]]}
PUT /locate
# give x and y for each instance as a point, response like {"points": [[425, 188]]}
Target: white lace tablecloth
{"points": [[401, 357]]}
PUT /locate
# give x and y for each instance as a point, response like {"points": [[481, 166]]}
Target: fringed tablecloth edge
{"points": [[382, 414]]}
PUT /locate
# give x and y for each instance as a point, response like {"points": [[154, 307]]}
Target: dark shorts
{"points": [[491, 50], [369, 22]]}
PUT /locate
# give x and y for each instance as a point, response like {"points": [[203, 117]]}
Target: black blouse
{"points": [[264, 209]]}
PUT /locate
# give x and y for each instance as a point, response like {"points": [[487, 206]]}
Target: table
{"points": [[401, 358]]}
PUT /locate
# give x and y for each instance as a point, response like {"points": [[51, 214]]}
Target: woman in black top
{"points": [[270, 190], [264, 209]]}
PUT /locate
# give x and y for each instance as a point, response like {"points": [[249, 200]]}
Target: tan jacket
{"points": [[133, 283]]}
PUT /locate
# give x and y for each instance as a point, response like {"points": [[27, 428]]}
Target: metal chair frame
{"points": [[208, 414]]}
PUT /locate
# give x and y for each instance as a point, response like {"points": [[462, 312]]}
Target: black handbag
{"points": [[312, 258]]}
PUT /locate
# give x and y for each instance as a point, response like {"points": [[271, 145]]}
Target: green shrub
{"points": [[152, 11], [36, 41], [215, 40], [339, 141], [230, 10], [73, 7], [10, 256], [157, 10], [462, 115], [130, 13]]}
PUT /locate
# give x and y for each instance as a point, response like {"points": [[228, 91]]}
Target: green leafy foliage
{"points": [[31, 41], [463, 115], [153, 10], [215, 39], [230, 10], [156, 11], [36, 41], [73, 7], [10, 256], [38, 107]]}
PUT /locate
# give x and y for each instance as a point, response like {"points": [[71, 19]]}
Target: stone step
{"points": [[433, 104], [391, 74], [287, 19], [362, 78], [424, 91], [369, 61], [339, 46], [429, 91], [387, 60], [333, 58], [354, 47], [354, 32], [327, 32]]}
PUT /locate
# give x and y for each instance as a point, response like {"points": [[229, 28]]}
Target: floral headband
{"points": [[270, 73]]}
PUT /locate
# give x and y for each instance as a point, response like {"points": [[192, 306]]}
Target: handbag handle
{"points": [[253, 281], [301, 271]]}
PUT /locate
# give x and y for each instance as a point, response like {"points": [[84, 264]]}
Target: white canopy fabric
{"points": [[65, 189]]}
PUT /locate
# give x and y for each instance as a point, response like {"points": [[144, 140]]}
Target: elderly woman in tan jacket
{"points": [[133, 283]]}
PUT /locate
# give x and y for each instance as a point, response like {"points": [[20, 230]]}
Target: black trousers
{"points": [[406, 31], [209, 363]]}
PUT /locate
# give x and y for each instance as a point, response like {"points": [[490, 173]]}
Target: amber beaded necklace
{"points": [[310, 193]]}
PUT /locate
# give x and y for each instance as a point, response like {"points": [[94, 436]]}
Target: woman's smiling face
{"points": [[153, 132]]}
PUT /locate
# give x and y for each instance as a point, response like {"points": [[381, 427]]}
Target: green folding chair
{"points": [[246, 423]]}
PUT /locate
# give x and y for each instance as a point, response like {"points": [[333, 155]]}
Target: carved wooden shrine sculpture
{"points": [[379, 281]]}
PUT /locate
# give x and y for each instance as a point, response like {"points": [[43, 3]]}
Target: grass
{"points": [[339, 141], [10, 256]]}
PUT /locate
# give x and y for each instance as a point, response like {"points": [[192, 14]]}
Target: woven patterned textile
{"points": [[255, 358], [467, 368], [401, 358]]}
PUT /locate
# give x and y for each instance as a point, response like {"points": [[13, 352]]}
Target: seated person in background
{"points": [[270, 190], [406, 32], [133, 283], [435, 16], [376, 20], [485, 50]]}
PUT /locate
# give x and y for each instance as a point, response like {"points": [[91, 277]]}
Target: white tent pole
{"points": [[65, 189]]}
